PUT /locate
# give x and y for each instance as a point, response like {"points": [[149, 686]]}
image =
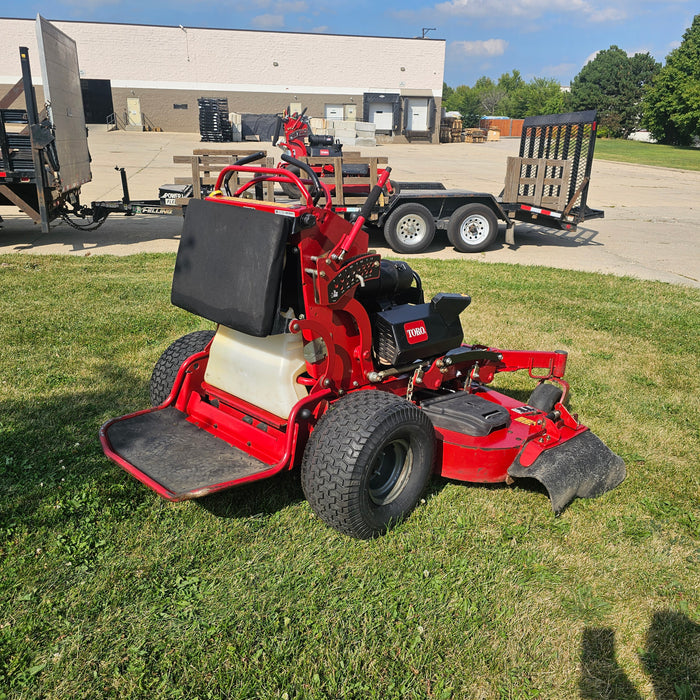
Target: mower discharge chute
{"points": [[328, 359]]}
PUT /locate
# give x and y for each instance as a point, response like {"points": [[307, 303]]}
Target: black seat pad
{"points": [[229, 265]]}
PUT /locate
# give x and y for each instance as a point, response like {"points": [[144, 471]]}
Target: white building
{"points": [[394, 82]]}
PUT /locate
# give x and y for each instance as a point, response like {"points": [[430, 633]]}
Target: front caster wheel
{"points": [[367, 462]]}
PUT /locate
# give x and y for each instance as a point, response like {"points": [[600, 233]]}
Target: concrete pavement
{"points": [[650, 229]]}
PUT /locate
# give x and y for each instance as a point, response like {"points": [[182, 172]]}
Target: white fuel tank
{"points": [[261, 371]]}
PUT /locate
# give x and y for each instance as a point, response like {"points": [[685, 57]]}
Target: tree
{"points": [[465, 101], [613, 83], [672, 103]]}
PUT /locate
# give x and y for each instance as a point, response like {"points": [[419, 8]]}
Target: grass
{"points": [[648, 154], [110, 592]]}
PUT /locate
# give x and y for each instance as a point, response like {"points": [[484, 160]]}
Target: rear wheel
{"points": [[367, 462], [472, 228], [410, 228], [169, 363]]}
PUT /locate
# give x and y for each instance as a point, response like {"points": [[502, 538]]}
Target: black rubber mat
{"points": [[178, 455]]}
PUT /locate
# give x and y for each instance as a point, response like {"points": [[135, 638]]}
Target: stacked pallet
{"points": [[214, 124], [474, 136], [451, 130]]}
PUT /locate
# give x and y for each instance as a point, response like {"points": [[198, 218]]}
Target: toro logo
{"points": [[415, 332], [325, 152]]}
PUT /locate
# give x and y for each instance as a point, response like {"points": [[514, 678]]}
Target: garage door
{"points": [[382, 114], [417, 114]]}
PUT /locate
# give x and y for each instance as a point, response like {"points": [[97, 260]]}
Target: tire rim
{"points": [[390, 471], [411, 229], [474, 229]]}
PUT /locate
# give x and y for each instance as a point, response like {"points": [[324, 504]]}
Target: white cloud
{"points": [[501, 10], [321, 30], [607, 14], [268, 21], [509, 8], [487, 47], [290, 6]]}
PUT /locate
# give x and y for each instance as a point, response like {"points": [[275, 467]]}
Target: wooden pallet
{"points": [[540, 182], [336, 180], [206, 164]]}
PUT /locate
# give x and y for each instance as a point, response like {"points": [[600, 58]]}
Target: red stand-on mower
{"points": [[300, 142], [327, 358]]}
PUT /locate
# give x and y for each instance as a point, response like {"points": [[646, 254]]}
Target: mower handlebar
{"points": [[343, 247], [257, 155], [374, 194], [278, 129], [250, 158], [309, 171]]}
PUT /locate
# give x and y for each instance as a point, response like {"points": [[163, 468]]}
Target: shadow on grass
{"points": [[671, 658], [260, 497], [51, 443]]}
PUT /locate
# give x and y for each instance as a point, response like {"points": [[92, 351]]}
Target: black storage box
{"points": [[466, 413]]}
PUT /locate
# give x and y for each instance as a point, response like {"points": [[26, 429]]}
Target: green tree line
{"points": [[629, 93]]}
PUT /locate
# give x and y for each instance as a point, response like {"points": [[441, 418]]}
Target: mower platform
{"points": [[165, 451]]}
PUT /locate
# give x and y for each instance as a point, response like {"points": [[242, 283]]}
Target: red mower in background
{"points": [[301, 142], [328, 359]]}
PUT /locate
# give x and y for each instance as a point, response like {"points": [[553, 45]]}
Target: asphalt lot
{"points": [[650, 229]]}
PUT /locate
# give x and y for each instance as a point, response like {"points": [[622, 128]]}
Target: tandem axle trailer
{"points": [[546, 185]]}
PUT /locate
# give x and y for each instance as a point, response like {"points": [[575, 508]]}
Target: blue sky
{"points": [[540, 38]]}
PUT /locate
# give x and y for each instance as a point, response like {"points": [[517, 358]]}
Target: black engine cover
{"points": [[411, 332]]}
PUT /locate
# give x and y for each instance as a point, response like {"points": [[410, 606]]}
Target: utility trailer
{"points": [[44, 158], [546, 185]]}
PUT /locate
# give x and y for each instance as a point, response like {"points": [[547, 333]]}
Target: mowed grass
{"points": [[648, 154], [109, 591]]}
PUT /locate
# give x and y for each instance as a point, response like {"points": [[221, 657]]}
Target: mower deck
{"points": [[163, 449]]}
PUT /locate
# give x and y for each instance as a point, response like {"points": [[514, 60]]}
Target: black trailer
{"points": [[546, 184], [44, 156]]}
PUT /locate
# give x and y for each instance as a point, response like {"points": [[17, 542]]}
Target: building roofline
{"points": [[226, 29]]}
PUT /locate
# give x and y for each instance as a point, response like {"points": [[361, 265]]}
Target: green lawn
{"points": [[648, 154], [109, 591]]}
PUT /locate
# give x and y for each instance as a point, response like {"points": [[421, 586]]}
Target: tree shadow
{"points": [[671, 659]]}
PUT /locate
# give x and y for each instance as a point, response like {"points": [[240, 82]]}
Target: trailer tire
{"points": [[410, 228], [472, 228], [289, 188], [367, 462], [545, 396], [169, 363]]}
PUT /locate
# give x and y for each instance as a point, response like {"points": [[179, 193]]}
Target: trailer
{"points": [[546, 185], [44, 155]]}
